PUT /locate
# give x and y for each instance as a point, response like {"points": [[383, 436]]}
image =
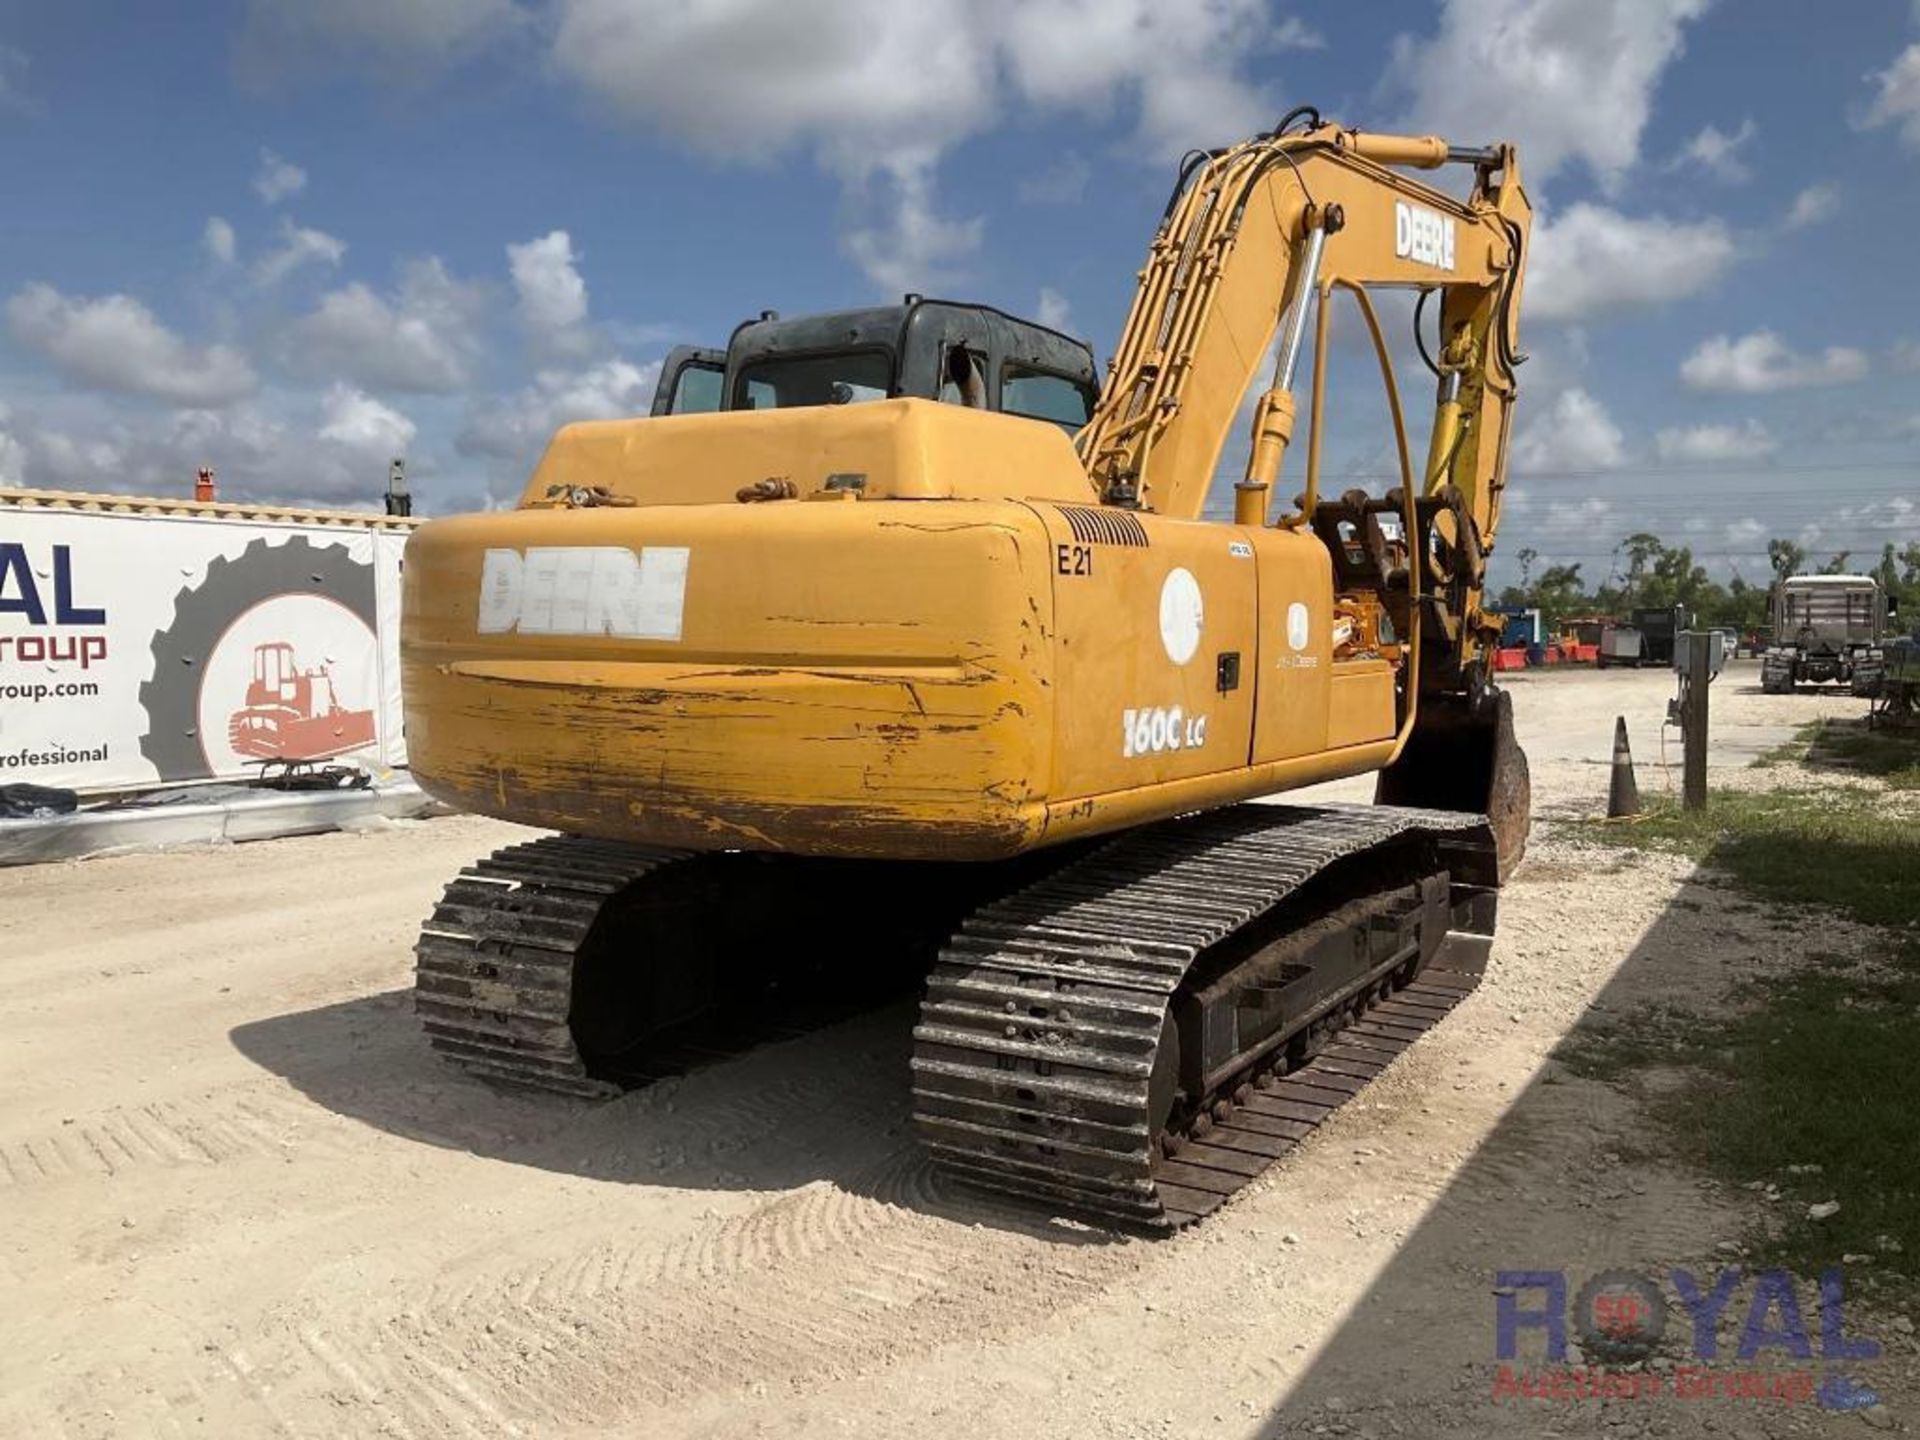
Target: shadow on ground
{"points": [[1572, 1179], [830, 1104]]}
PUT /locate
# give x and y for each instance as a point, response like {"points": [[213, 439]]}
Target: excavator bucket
{"points": [[1463, 756]]}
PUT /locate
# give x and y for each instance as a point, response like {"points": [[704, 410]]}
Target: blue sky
{"points": [[289, 239]]}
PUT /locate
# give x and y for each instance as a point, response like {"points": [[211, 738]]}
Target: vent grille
{"points": [[1104, 527]]}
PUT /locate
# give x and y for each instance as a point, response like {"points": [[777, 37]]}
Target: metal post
{"points": [[399, 498], [1693, 719]]}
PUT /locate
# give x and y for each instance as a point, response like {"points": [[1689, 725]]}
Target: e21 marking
{"points": [[1073, 559]]}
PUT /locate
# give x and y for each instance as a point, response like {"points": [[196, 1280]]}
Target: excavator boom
{"points": [[1254, 239]]}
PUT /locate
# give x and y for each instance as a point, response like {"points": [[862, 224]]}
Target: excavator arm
{"points": [[1254, 241]]}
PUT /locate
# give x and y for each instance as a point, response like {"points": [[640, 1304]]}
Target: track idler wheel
{"points": [[1463, 756]]}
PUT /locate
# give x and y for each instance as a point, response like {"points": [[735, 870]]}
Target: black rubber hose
{"points": [[1299, 112], [1189, 163], [1419, 339]]}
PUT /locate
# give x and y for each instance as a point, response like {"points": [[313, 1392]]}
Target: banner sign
{"points": [[138, 649]]}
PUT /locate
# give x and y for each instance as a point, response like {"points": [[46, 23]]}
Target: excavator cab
{"points": [[960, 354]]}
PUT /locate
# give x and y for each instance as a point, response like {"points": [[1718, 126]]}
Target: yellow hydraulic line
{"points": [[1185, 297], [1130, 395], [1122, 369], [1189, 299]]}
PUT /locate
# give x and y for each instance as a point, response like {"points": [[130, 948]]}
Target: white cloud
{"points": [[1064, 182], [1718, 153], [1182, 65], [903, 244], [1905, 354], [1054, 311], [1898, 100], [327, 450], [1575, 433], [1583, 518], [248, 451], [395, 37], [59, 461], [299, 247], [354, 419], [218, 239], [516, 427], [422, 338], [1813, 205], [116, 343], [553, 297], [1761, 362], [879, 91], [1705, 444], [1566, 80], [1893, 519], [271, 448], [868, 82], [1293, 33], [1590, 261], [277, 179]]}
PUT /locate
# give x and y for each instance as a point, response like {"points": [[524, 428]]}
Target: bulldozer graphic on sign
{"points": [[292, 713]]}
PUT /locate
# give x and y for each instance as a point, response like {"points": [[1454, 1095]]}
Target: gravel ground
{"points": [[242, 1199]]}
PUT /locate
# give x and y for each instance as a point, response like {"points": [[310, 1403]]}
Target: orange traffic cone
{"points": [[1623, 792]]}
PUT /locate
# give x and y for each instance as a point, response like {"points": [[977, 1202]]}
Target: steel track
{"points": [[1034, 1059], [1034, 1056], [494, 964]]}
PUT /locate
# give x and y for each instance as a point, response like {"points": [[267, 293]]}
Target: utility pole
{"points": [[1696, 675]]}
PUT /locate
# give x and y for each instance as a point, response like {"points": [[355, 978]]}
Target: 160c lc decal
{"points": [[1156, 730]]}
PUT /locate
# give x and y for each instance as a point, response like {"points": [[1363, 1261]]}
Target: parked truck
{"points": [[1647, 639], [1826, 629], [1657, 626]]}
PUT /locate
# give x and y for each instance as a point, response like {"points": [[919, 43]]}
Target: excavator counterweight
{"points": [[892, 633]]}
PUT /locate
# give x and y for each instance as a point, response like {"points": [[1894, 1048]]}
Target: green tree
{"points": [[1642, 549], [1786, 558], [1559, 594], [1837, 564]]}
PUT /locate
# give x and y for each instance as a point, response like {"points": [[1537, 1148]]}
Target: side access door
{"points": [[691, 381]]}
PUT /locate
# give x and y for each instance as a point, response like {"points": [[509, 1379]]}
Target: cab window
{"points": [[1041, 395], [842, 378], [696, 390]]}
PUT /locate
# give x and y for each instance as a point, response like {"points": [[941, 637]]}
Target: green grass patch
{"points": [[1792, 750], [1809, 1083], [1813, 1089], [1834, 846], [1892, 755]]}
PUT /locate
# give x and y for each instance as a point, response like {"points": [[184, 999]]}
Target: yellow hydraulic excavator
{"points": [[890, 640]]}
